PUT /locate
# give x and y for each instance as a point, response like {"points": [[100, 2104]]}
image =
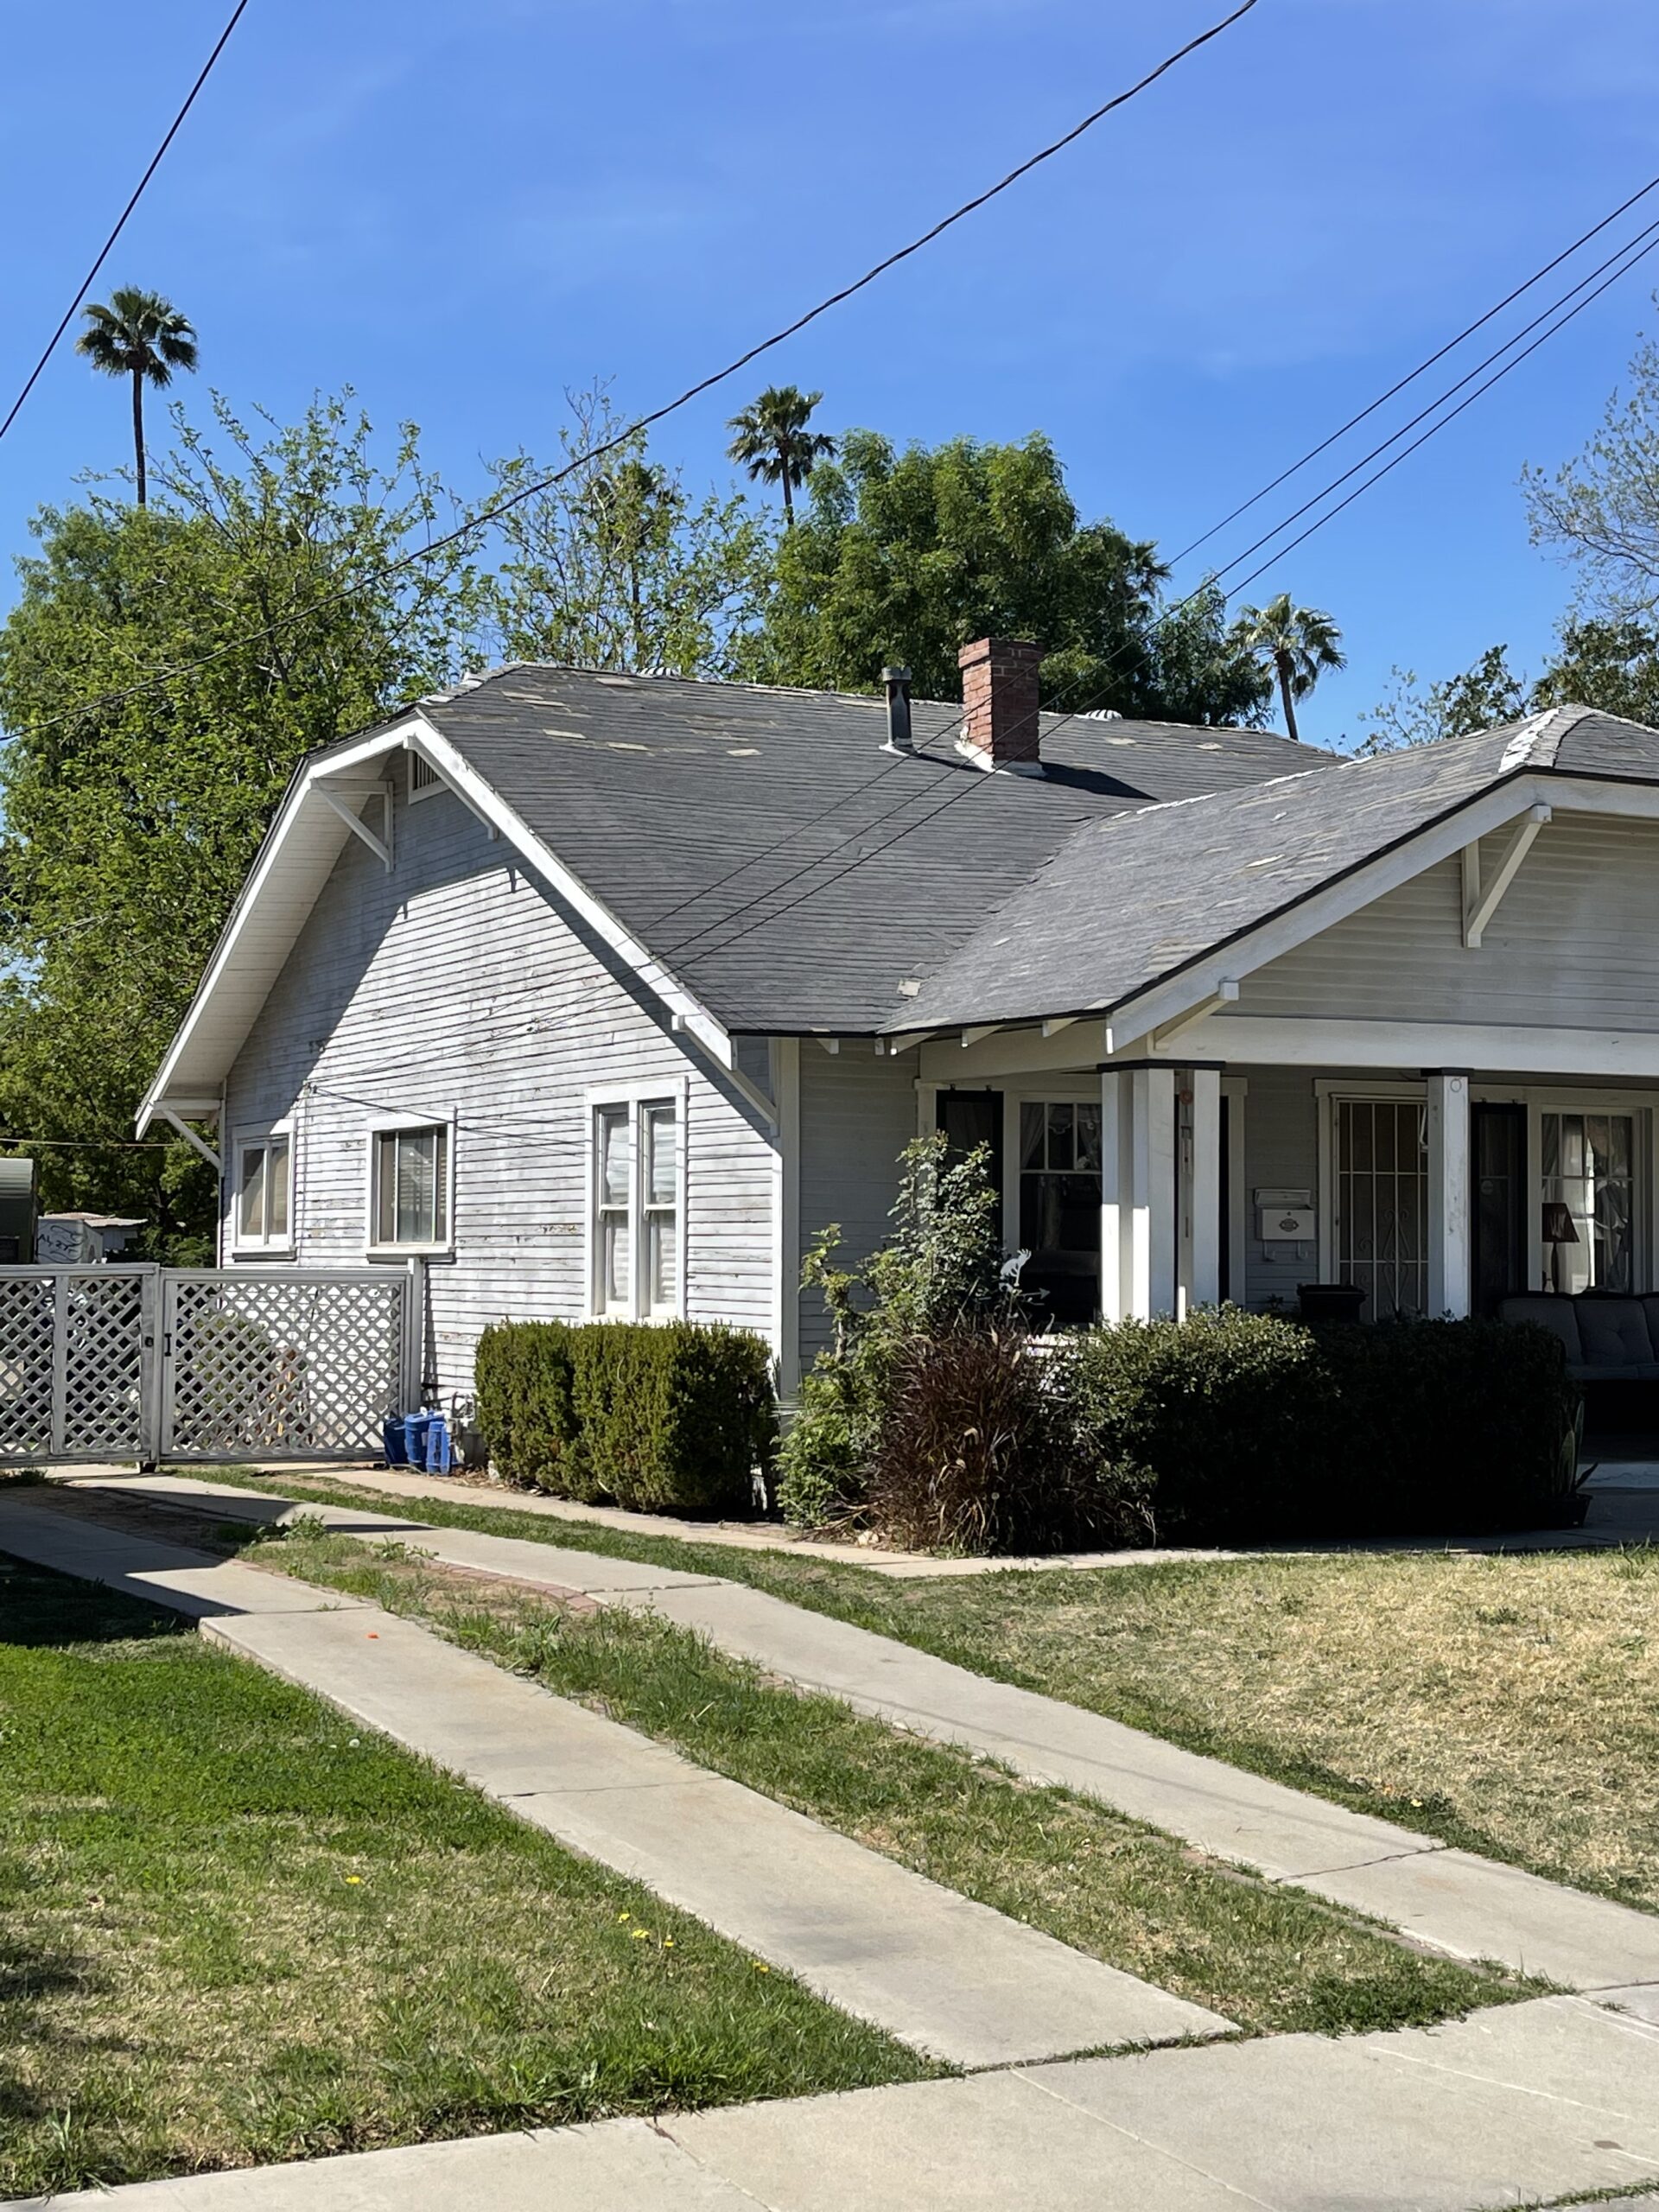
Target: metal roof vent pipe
{"points": [[896, 683]]}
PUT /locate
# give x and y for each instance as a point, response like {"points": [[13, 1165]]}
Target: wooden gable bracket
{"points": [[982, 1029], [1481, 902], [381, 847], [1225, 994]]}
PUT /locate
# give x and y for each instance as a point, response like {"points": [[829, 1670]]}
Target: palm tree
{"points": [[143, 336], [773, 443], [1298, 643]]}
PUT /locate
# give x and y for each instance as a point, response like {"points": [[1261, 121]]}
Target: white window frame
{"points": [[384, 1125], [635, 1098], [263, 1135]]}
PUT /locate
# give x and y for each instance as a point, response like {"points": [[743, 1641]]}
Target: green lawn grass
{"points": [[236, 1928], [1266, 1958], [1507, 1703]]}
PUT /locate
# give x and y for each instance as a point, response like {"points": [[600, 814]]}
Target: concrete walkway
{"points": [[1526, 2104], [1468, 1907], [948, 1976]]}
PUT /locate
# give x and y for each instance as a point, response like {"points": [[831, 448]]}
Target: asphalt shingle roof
{"points": [[1131, 900], [765, 848], [797, 877]]}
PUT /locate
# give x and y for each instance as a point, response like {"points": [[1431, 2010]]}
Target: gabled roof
{"points": [[763, 864], [1130, 901], [752, 853], [789, 872]]}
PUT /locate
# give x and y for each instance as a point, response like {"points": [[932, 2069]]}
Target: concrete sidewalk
{"points": [[1526, 2104], [1468, 1907], [951, 1978]]}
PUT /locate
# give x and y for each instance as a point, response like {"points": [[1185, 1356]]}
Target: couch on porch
{"points": [[1608, 1339]]}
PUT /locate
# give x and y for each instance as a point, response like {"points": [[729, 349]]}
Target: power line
{"points": [[1422, 367], [1629, 255], [1495, 378], [1212, 580], [469, 529], [156, 160]]}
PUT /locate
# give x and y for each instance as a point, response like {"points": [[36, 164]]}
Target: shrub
{"points": [[522, 1377], [940, 1272], [1211, 1418], [1246, 1428], [974, 1452], [660, 1416]]}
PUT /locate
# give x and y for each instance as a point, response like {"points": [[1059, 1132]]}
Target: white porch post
{"points": [[1449, 1197], [1202, 1285], [1116, 1189], [1152, 1226]]}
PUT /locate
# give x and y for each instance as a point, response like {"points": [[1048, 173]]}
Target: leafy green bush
{"points": [[522, 1375], [669, 1416], [1246, 1428]]}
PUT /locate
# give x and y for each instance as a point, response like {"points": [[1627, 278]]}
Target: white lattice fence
{"points": [[298, 1363], [75, 1362], [113, 1362]]}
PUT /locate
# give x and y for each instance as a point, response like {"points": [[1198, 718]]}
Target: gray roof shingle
{"points": [[1130, 901], [797, 877], [765, 848]]}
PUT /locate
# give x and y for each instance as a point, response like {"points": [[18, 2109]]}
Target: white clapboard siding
{"points": [[858, 1113], [1572, 943], [1281, 1151], [457, 984]]}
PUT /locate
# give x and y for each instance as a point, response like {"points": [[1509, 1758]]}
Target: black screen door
{"points": [[1498, 1142]]}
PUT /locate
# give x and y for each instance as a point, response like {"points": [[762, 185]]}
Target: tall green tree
{"points": [[774, 441], [133, 810], [907, 556], [1298, 644], [1484, 696], [141, 336], [618, 566]]}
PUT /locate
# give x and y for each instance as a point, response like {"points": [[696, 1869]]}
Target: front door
{"points": [[1052, 1212]]}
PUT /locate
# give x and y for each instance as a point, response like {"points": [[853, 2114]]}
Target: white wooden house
{"points": [[602, 994]]}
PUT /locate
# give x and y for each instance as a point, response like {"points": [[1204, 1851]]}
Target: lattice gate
{"points": [[146, 1362]]}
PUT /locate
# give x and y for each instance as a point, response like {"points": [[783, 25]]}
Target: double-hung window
{"points": [[264, 1175], [410, 1189], [637, 1187]]}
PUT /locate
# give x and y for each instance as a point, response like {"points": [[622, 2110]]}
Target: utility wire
{"points": [[467, 531], [1212, 579], [1421, 369], [104, 250], [1628, 257]]}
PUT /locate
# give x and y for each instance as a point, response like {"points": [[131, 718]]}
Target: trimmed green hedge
{"points": [[1241, 1428], [668, 1416]]}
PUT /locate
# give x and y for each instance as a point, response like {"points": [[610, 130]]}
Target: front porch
{"points": [[1147, 1186]]}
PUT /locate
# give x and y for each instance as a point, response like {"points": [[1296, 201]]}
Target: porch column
{"points": [[1202, 1242], [1152, 1227], [1116, 1182], [1450, 1229]]}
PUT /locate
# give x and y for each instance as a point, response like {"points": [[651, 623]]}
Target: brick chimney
{"points": [[1000, 728]]}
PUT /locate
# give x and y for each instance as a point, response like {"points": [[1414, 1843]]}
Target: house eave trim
{"points": [[323, 775]]}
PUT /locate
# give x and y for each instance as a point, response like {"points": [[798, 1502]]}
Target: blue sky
{"points": [[463, 210]]}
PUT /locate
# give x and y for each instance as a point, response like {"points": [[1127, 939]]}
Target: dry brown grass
{"points": [[1510, 1701]]}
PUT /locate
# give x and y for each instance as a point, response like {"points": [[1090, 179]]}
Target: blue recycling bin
{"points": [[391, 1438], [415, 1426], [438, 1453]]}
